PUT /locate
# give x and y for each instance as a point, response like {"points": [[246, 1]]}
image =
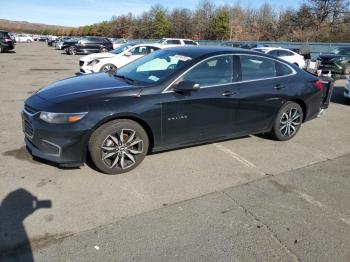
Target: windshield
{"points": [[121, 48], [154, 67]]}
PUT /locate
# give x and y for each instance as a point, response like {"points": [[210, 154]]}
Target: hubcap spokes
{"points": [[289, 122], [120, 150]]}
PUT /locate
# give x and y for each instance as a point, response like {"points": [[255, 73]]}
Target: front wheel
{"points": [[346, 69], [108, 68], [287, 122], [118, 146], [103, 50]]}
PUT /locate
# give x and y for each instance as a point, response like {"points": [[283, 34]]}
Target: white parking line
{"points": [[234, 155]]}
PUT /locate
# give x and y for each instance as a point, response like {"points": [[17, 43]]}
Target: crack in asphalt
{"points": [[267, 228]]}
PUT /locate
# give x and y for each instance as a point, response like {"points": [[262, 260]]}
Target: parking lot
{"points": [[85, 201]]}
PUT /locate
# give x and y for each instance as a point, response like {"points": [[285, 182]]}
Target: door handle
{"points": [[279, 87], [228, 93]]}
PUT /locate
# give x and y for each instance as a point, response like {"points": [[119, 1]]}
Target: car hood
{"points": [[328, 57], [96, 56], [82, 86]]}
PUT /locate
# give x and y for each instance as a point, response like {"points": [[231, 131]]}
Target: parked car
{"points": [[242, 45], [61, 41], [89, 45], [171, 98], [6, 42], [105, 62], [347, 89], [67, 44], [24, 38], [51, 40], [176, 42], [284, 54], [338, 62]]}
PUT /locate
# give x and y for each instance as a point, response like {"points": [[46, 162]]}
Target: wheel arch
{"points": [[136, 118], [303, 106]]}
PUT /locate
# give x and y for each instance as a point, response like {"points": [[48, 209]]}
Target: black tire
{"points": [[346, 70], [28, 41], [103, 50], [287, 122], [108, 68], [72, 50], [110, 154], [1, 49]]}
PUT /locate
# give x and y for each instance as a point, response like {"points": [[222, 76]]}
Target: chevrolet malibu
{"points": [[171, 98]]}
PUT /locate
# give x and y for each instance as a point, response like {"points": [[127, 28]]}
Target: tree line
{"points": [[314, 20]]}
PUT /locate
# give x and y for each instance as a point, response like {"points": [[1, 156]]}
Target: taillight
{"points": [[319, 85]]}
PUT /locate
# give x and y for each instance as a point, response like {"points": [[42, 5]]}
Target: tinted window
{"points": [[140, 50], [284, 53], [187, 42], [274, 53], [282, 69], [173, 42], [255, 67], [215, 71], [151, 49]]}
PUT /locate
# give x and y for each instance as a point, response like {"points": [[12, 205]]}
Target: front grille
{"points": [[28, 128], [30, 109], [81, 63]]}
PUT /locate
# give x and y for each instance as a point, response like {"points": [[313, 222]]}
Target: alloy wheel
{"points": [[120, 150], [290, 121]]}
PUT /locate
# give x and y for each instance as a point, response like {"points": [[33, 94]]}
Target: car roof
{"points": [[197, 51]]}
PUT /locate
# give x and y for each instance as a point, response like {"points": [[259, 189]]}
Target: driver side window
{"points": [[214, 71]]}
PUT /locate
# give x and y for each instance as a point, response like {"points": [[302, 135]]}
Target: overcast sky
{"points": [[83, 12]]}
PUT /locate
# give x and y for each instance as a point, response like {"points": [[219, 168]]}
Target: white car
{"points": [[24, 38], [176, 42], [347, 89], [284, 54], [111, 61]]}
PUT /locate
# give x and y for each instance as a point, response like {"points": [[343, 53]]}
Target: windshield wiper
{"points": [[126, 79]]}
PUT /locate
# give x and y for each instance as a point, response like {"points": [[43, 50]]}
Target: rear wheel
{"points": [[103, 50], [108, 68], [118, 146], [72, 50], [287, 122]]}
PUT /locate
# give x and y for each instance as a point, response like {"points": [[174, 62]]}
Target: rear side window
{"points": [[187, 42], [284, 53], [255, 67], [173, 42], [274, 53], [282, 69]]}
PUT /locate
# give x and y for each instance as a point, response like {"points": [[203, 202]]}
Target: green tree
{"points": [[221, 25], [161, 25]]}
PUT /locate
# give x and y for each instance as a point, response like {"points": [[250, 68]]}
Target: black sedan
{"points": [[171, 98]]}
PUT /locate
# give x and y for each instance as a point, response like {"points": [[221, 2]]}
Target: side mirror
{"points": [[186, 86], [128, 54]]}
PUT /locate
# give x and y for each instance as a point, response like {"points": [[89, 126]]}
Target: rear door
{"points": [[263, 84]]}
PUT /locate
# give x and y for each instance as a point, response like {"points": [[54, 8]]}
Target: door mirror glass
{"points": [[186, 86]]}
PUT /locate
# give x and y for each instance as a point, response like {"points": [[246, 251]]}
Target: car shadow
{"points": [[10, 52], [14, 209]]}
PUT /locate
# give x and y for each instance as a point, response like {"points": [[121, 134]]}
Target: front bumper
{"points": [[332, 67], [66, 146]]}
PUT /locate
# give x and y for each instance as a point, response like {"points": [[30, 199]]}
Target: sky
{"points": [[84, 12]]}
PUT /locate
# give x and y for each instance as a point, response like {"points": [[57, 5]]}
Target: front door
{"points": [[204, 114]]}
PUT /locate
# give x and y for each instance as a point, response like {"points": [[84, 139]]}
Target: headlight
{"points": [[93, 62], [61, 118]]}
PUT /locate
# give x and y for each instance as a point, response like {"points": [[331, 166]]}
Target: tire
{"points": [[1, 49], [346, 70], [72, 50], [284, 127], [28, 41], [108, 68], [110, 154], [103, 50]]}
